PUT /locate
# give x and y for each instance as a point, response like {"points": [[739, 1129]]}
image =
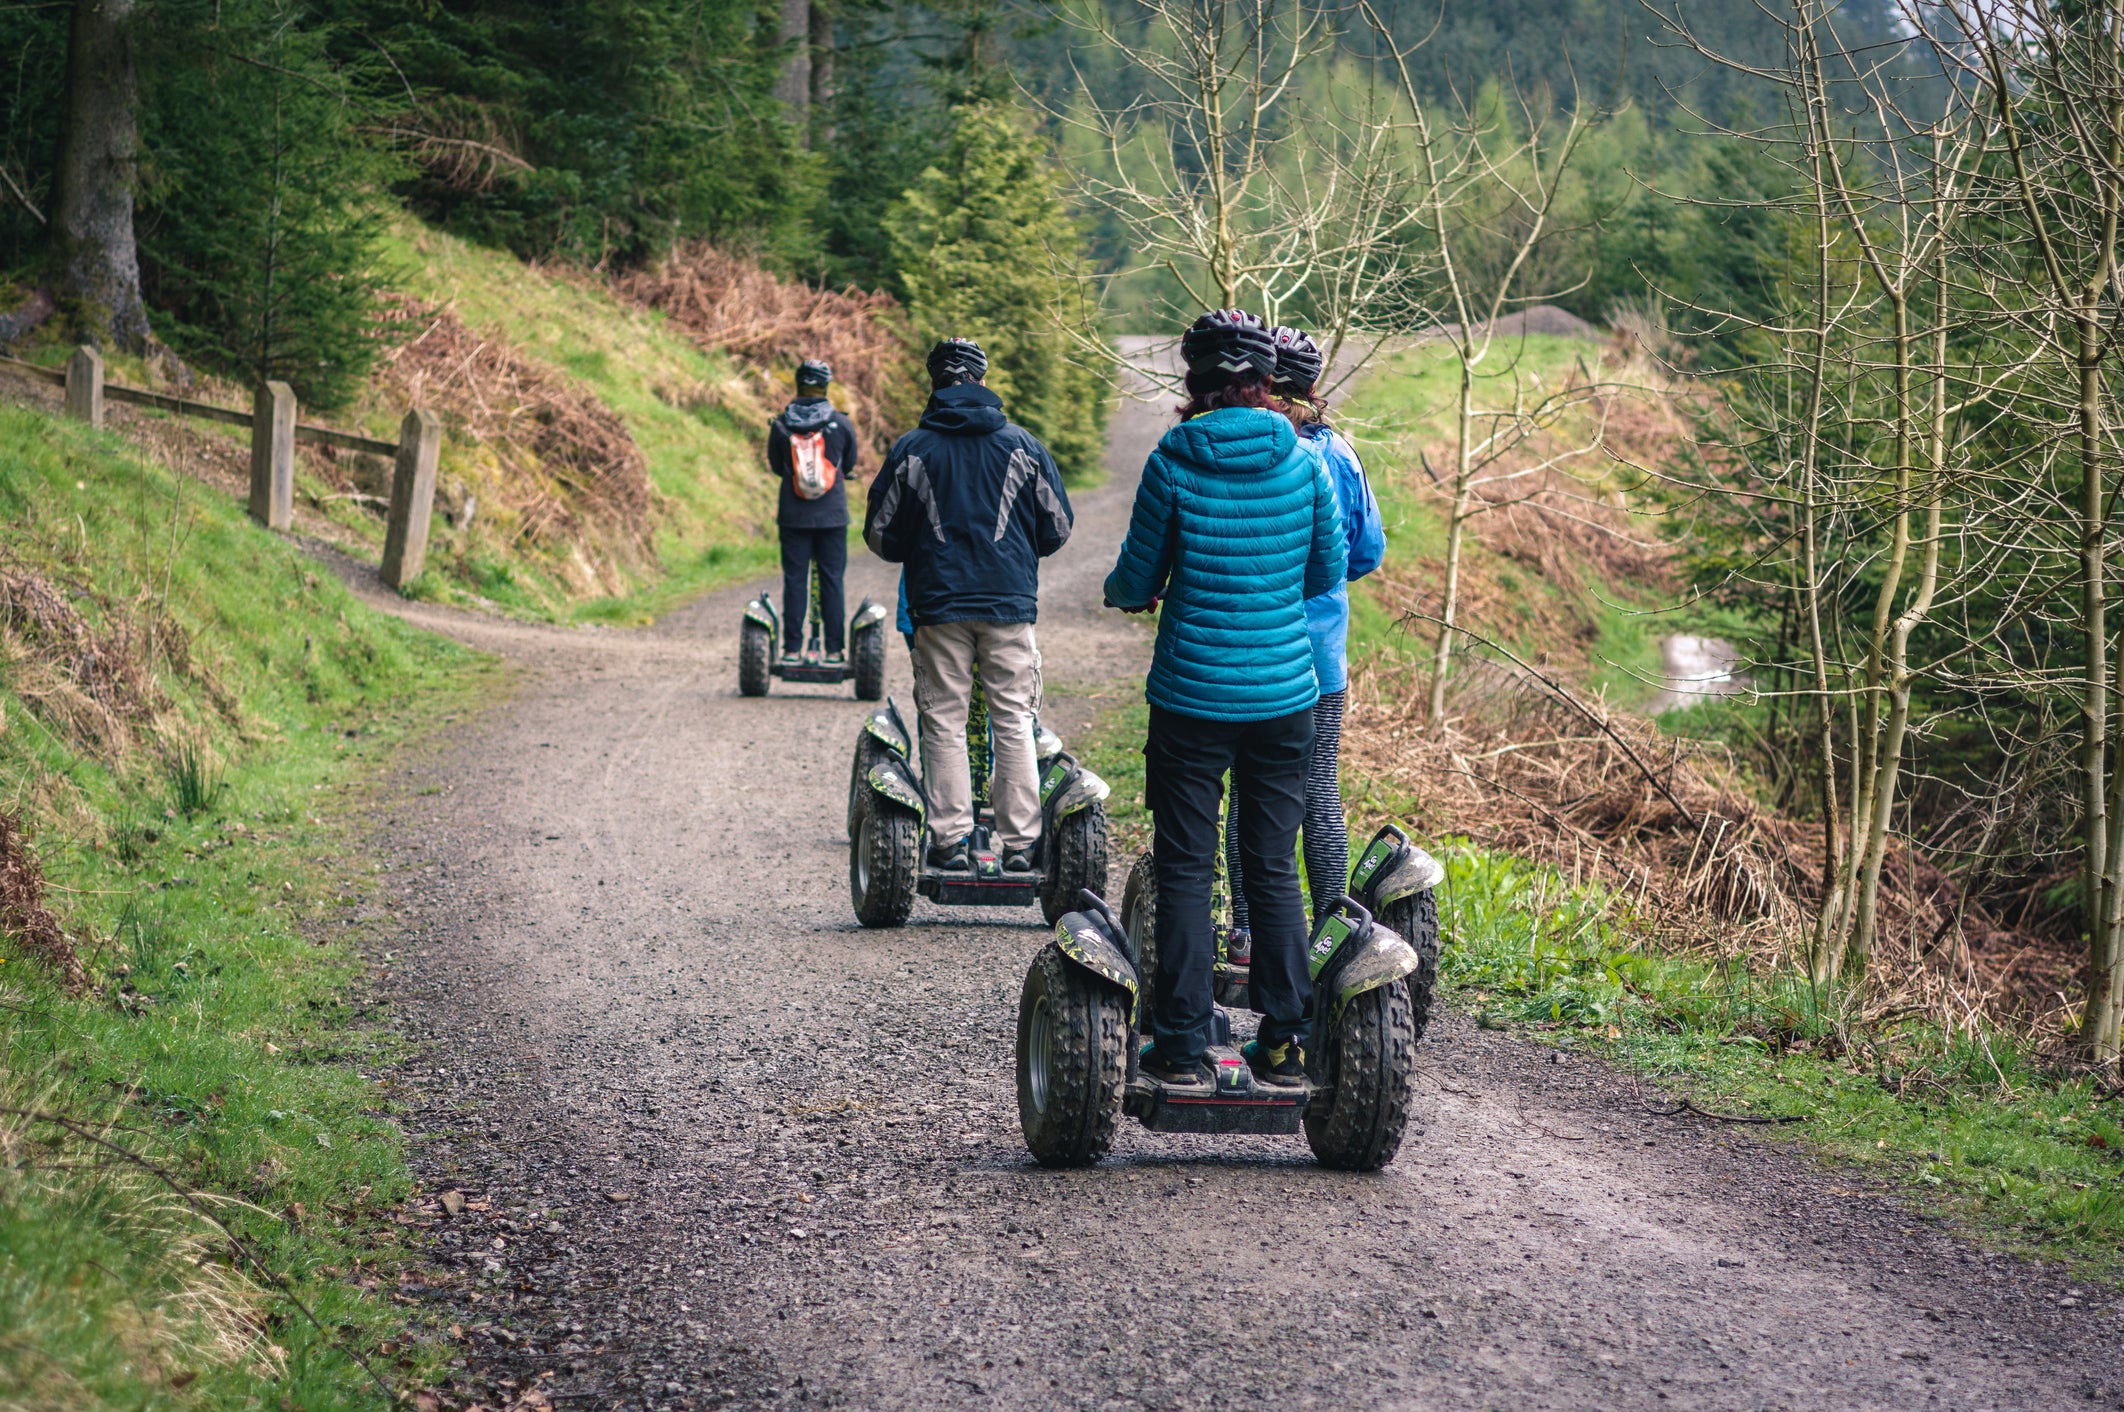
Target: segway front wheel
{"points": [[882, 860], [1072, 1062], [1079, 862], [1355, 1121], [1415, 917], [869, 751], [1139, 918], [867, 656], [755, 650]]}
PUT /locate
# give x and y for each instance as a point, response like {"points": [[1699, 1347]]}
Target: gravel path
{"points": [[697, 1140]]}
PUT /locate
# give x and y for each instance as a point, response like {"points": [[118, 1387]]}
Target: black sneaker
{"points": [[951, 857], [1017, 860], [1239, 947], [1189, 1075], [1281, 1065], [837, 659], [792, 658]]}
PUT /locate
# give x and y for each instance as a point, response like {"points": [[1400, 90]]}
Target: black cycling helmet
{"points": [[1298, 361], [956, 360], [1225, 346], [813, 373]]}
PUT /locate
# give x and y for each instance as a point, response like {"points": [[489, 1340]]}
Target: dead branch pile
{"points": [[1663, 824], [721, 301], [93, 684], [29, 924], [565, 462]]}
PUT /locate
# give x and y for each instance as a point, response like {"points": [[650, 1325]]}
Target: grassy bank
{"points": [[1970, 1122], [194, 1151]]}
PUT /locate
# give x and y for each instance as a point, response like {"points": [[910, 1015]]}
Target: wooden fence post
{"points": [[273, 456], [84, 386], [412, 499]]}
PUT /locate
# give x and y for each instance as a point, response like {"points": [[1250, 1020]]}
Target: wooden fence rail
{"points": [[274, 433]]}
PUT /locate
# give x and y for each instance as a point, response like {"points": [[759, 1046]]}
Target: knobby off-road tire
{"points": [[1072, 1062], [1416, 918], [1366, 1061], [1080, 862], [755, 649], [882, 859], [1139, 918], [869, 751], [867, 655]]}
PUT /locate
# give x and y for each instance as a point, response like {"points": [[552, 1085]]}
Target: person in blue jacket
{"points": [[1234, 527], [1327, 621]]}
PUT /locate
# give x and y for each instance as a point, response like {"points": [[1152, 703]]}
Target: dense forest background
{"points": [[605, 135]]}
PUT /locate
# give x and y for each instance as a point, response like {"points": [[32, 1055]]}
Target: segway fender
{"points": [[1068, 787], [1392, 868], [892, 779], [1084, 791], [1376, 960], [761, 610], [1415, 871], [1084, 944], [885, 728], [867, 615]]}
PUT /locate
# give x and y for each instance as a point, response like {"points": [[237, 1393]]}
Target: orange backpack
{"points": [[811, 471]]}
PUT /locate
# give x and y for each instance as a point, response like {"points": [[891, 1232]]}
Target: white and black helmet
{"points": [[956, 360], [1225, 346], [1298, 361]]}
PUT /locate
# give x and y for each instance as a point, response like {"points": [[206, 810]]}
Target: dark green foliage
{"points": [[641, 122], [259, 221], [986, 250], [1612, 51], [33, 49]]}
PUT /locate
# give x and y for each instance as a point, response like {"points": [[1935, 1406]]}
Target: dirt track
{"points": [[734, 1150]]}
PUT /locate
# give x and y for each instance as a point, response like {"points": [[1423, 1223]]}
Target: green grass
{"points": [[688, 411], [221, 1036], [1971, 1124]]}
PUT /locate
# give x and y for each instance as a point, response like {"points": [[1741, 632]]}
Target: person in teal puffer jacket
{"points": [[1299, 365], [1235, 525]]}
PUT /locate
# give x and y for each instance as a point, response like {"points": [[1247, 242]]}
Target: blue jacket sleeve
{"points": [[1360, 512], [1329, 563], [1140, 573]]}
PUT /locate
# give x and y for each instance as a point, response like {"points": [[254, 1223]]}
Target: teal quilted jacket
{"points": [[1235, 526]]}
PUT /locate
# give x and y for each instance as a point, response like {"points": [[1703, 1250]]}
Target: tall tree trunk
{"points": [[795, 88], [822, 92], [95, 267]]}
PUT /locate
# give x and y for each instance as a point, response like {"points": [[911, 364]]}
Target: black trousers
{"points": [[799, 548], [1185, 761]]}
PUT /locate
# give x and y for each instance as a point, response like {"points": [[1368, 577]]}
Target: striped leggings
{"points": [[1326, 835]]}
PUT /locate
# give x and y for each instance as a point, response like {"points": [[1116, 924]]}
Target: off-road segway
{"points": [[761, 629], [888, 813], [1088, 993]]}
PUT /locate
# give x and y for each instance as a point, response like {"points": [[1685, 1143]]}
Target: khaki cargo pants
{"points": [[944, 658]]}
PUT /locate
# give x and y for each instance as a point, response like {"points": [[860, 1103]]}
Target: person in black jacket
{"points": [[811, 449], [970, 503]]}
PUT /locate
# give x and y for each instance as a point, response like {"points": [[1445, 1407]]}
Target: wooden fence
{"points": [[274, 432]]}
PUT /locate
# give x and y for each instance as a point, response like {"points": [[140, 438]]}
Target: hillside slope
{"points": [[180, 1009]]}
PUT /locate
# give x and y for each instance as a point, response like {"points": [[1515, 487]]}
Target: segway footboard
{"points": [[1236, 1105]]}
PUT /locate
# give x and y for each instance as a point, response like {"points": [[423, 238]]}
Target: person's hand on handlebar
{"points": [[1150, 607]]}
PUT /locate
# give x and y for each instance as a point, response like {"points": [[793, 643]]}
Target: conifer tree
{"points": [[984, 249]]}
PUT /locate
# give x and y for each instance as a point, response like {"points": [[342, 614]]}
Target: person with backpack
{"points": [[1234, 527], [969, 503], [811, 449], [1327, 623]]}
